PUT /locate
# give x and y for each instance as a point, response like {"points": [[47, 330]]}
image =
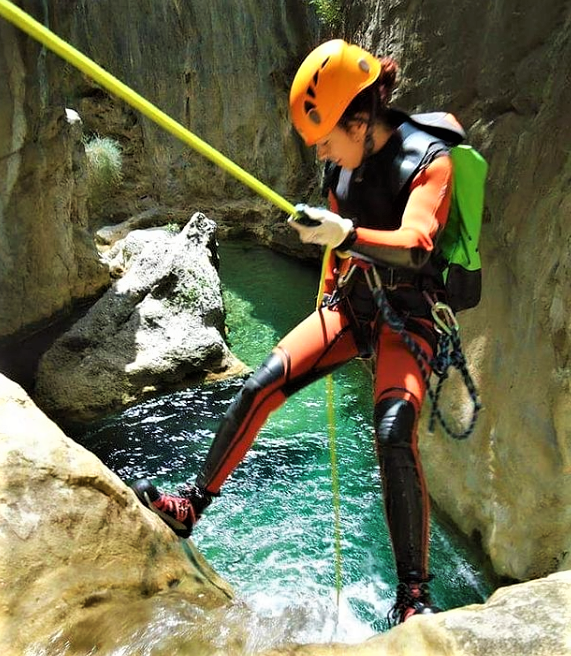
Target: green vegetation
{"points": [[173, 228], [329, 12], [186, 297], [189, 291], [104, 167]]}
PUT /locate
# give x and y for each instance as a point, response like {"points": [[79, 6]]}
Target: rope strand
{"points": [[449, 354], [335, 489]]}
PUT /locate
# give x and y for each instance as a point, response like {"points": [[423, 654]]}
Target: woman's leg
{"points": [[317, 346], [399, 392]]}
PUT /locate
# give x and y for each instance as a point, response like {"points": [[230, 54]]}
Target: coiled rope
{"points": [[449, 353]]}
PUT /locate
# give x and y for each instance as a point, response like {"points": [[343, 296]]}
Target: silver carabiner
{"points": [[444, 318], [377, 282], [344, 279]]}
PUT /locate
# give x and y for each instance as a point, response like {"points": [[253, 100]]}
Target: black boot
{"points": [[413, 598]]}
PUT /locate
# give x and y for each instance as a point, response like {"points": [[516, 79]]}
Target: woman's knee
{"points": [[394, 422], [268, 375]]}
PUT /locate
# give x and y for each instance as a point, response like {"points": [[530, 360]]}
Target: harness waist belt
{"points": [[392, 277]]}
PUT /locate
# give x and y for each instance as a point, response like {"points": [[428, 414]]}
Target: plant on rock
{"points": [[104, 168]]}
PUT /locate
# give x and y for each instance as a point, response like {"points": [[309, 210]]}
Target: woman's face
{"points": [[343, 146]]}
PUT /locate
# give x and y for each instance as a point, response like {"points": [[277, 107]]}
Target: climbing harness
{"points": [[448, 353]]}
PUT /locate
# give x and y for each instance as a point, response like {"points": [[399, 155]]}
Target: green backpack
{"points": [[458, 243]]}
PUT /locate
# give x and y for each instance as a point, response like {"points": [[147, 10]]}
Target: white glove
{"points": [[326, 229]]}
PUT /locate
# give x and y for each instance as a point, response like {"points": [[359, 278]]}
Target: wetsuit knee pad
{"points": [[394, 421], [270, 371]]}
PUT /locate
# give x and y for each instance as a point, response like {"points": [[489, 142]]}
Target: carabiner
{"points": [[344, 278], [377, 282], [447, 322]]}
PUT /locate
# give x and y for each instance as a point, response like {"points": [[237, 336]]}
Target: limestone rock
{"points": [[499, 71], [158, 326], [48, 259], [84, 565], [529, 618], [227, 80]]}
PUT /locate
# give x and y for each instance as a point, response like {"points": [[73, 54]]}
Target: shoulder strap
{"points": [[423, 137], [440, 124], [419, 148]]}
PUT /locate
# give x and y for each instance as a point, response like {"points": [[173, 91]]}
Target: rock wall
{"points": [[501, 68], [47, 256], [220, 70]]}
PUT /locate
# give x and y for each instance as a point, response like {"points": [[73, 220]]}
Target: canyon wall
{"points": [[502, 69]]}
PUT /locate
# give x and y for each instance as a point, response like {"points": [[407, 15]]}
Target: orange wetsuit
{"points": [[348, 326]]}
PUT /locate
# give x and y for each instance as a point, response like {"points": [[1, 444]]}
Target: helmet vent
{"points": [[324, 64], [310, 92], [363, 65], [316, 78], [314, 116]]}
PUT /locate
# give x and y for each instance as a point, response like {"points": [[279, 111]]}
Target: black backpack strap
{"points": [[424, 137], [419, 149]]}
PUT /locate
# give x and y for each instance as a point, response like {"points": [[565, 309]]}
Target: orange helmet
{"points": [[326, 82]]}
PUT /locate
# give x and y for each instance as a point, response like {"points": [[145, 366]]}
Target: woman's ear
{"points": [[357, 131]]}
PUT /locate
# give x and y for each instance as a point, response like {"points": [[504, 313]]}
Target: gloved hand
{"points": [[316, 225]]}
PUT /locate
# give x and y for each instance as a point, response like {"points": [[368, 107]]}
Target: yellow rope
{"points": [[333, 451], [40, 33], [45, 36], [335, 488]]}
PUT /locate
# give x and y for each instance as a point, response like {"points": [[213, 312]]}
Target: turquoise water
{"points": [[271, 532]]}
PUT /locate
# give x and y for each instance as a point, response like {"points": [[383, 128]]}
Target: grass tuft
{"points": [[104, 167]]}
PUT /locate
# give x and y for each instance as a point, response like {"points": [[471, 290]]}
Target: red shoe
{"points": [[412, 599], [180, 513]]}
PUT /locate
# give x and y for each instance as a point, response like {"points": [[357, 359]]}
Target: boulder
{"points": [[509, 486], [159, 326], [85, 567], [528, 618]]}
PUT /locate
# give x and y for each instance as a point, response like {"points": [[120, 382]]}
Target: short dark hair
{"points": [[374, 99]]}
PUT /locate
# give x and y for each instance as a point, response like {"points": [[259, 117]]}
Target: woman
{"points": [[395, 200]]}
